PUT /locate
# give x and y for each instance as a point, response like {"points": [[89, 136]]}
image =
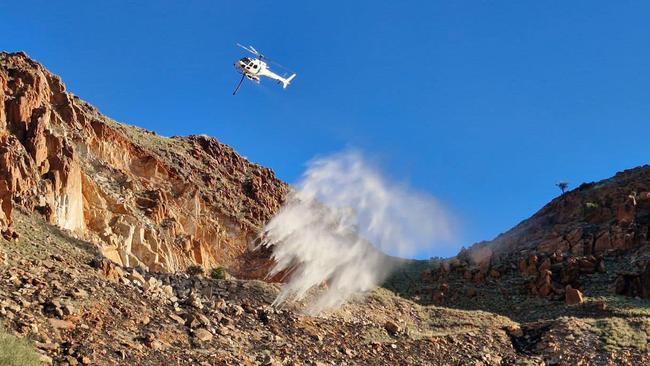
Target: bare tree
{"points": [[562, 185]]}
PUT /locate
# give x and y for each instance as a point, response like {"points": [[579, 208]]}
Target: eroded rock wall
{"points": [[144, 200]]}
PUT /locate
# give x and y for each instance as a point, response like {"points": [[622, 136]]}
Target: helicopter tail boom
{"points": [[287, 81]]}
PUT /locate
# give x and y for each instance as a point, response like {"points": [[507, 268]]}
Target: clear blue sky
{"points": [[483, 104]]}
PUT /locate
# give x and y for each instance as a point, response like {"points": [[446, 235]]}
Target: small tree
{"points": [[563, 186]]}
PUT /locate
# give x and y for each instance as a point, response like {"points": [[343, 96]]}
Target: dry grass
{"points": [[16, 352], [420, 322], [614, 333], [622, 305], [617, 333]]}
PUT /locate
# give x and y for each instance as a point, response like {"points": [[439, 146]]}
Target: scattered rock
{"points": [[61, 324], [79, 294], [177, 318], [573, 296], [202, 335], [135, 276], [45, 359], [263, 316], [600, 306], [392, 328]]}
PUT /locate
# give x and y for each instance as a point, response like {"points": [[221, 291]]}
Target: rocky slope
{"points": [[595, 235], [78, 308], [146, 201], [607, 217], [578, 268]]}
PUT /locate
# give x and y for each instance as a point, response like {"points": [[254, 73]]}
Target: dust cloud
{"points": [[337, 224]]}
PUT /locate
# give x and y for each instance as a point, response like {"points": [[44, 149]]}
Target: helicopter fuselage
{"points": [[253, 68]]}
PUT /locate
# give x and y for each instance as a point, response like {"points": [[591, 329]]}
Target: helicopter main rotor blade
{"points": [[251, 49], [279, 65], [260, 56], [254, 50], [239, 84]]}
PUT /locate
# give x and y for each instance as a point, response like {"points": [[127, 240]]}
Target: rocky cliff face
{"points": [[144, 200]]}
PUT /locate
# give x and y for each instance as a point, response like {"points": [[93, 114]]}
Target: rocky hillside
{"points": [[591, 240], [146, 201], [77, 308], [81, 309], [114, 239], [607, 217]]}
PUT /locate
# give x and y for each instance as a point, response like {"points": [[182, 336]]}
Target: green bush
{"points": [[194, 270], [16, 352], [219, 273]]}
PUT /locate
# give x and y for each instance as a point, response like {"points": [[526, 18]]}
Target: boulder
{"points": [[202, 335], [392, 327], [61, 324], [573, 296]]}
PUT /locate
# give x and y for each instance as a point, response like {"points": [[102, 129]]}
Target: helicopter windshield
{"points": [[245, 60]]}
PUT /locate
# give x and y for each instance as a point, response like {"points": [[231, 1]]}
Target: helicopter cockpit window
{"points": [[255, 66]]}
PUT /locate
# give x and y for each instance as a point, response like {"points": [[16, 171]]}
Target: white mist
{"points": [[338, 223]]}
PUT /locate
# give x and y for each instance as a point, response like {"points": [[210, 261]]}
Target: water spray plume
{"points": [[337, 225]]}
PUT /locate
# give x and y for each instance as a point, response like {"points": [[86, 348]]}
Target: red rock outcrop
{"points": [[144, 200]]}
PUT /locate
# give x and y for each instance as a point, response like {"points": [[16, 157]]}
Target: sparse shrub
{"points": [[194, 270], [16, 352], [248, 186], [219, 273]]}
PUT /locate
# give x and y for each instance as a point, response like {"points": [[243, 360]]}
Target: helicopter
{"points": [[253, 68]]}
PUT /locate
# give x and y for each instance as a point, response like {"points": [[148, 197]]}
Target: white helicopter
{"points": [[253, 68]]}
